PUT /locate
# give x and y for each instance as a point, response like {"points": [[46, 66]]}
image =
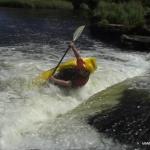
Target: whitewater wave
{"points": [[25, 110]]}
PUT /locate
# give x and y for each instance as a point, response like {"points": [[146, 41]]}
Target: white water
{"points": [[30, 116]]}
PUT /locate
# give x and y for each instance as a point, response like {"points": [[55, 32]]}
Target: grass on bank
{"points": [[130, 14], [53, 4]]}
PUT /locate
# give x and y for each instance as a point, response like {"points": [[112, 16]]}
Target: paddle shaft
{"points": [[76, 35], [60, 61]]}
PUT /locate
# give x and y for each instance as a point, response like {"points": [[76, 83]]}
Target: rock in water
{"points": [[129, 121]]}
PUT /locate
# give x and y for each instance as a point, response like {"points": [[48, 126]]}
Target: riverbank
{"points": [[110, 20], [52, 4], [137, 38]]}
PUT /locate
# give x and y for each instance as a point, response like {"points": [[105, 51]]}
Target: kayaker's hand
{"points": [[71, 45], [52, 79]]}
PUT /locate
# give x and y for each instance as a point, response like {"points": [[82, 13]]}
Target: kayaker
{"points": [[72, 77]]}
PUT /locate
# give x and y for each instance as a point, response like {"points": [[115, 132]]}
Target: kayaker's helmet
{"points": [[91, 65]]}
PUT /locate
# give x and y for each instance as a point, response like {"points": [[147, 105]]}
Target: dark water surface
{"points": [[38, 26]]}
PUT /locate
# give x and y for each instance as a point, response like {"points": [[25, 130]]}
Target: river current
{"points": [[32, 41]]}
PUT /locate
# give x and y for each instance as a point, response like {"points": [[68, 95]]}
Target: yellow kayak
{"points": [[89, 64]]}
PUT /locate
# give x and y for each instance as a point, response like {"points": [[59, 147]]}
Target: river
{"points": [[32, 41]]}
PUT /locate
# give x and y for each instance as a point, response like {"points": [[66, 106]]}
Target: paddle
{"points": [[76, 35]]}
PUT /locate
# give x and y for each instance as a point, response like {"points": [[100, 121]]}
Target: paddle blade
{"points": [[78, 32]]}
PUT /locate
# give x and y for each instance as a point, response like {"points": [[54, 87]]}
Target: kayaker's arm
{"points": [[60, 82], [80, 62], [75, 50]]}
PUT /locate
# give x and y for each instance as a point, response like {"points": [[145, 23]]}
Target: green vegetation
{"points": [[130, 14], [53, 4]]}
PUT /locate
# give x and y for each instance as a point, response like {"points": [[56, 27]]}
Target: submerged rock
{"points": [[120, 35], [136, 41], [101, 101], [108, 32]]}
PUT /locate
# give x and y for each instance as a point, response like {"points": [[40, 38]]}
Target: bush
{"points": [[130, 13], [135, 14], [103, 22], [146, 2]]}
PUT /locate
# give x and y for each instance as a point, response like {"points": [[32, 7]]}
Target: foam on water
{"points": [[30, 116]]}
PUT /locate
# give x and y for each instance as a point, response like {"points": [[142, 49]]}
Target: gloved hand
{"points": [[52, 79], [71, 45]]}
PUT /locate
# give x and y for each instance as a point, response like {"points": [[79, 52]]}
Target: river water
{"points": [[32, 41]]}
